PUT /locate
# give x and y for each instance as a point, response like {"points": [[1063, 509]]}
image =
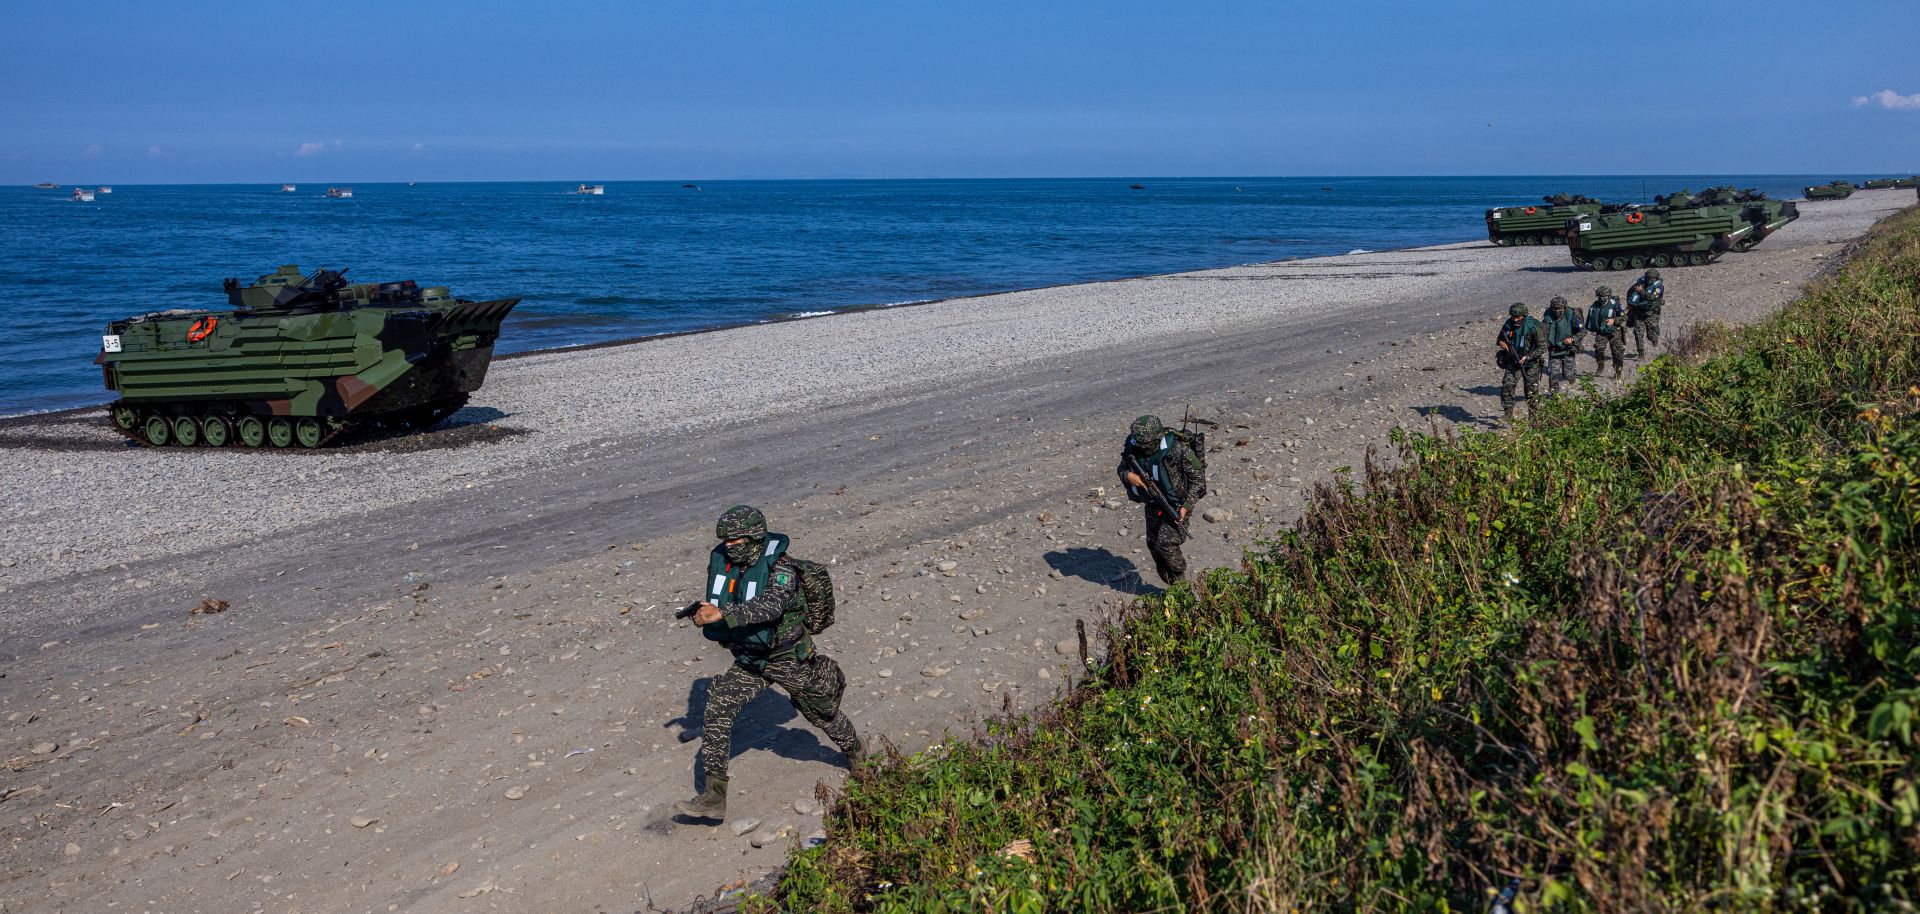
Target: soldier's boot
{"points": [[710, 804], [1506, 415], [851, 743]]}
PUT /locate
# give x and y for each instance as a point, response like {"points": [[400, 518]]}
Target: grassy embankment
{"points": [[1657, 652]]}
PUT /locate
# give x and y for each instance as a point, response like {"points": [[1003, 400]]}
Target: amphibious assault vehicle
{"points": [[1683, 230], [1544, 224], [300, 360], [1832, 190]]}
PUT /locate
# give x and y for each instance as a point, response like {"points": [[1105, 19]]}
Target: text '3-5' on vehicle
{"points": [[300, 360]]}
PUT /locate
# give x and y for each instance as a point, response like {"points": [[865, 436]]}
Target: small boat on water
{"points": [[1136, 187], [592, 189], [340, 193], [691, 186], [82, 195], [45, 185], [104, 190], [288, 188]]}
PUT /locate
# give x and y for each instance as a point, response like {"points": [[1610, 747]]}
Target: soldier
{"points": [[1167, 461], [1521, 342], [1608, 323], [756, 608], [1563, 343], [1644, 299]]}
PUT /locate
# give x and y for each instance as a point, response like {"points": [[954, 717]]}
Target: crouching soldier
{"points": [[757, 606], [1608, 324], [1563, 328], [1518, 348], [1164, 470]]}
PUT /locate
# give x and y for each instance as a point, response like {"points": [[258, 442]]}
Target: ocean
{"points": [[656, 257]]}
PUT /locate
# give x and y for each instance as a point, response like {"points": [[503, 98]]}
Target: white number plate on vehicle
{"points": [[110, 342]]}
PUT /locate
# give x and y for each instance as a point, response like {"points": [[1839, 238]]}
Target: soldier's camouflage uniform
{"points": [[1607, 337], [1563, 328], [1644, 301], [811, 679], [1528, 340], [1186, 476]]}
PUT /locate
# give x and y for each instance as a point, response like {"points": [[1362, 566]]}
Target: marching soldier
{"points": [[1609, 326], [1162, 469], [1644, 299], [756, 608], [1563, 329], [1519, 346]]}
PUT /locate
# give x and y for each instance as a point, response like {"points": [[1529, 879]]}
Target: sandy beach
{"points": [[448, 678]]}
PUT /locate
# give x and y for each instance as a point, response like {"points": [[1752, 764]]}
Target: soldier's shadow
{"points": [[1101, 567], [762, 724], [1456, 414]]}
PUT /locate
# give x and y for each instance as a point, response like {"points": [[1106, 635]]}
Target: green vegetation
{"points": [[1655, 653]]}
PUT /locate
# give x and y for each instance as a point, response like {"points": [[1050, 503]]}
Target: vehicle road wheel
{"points": [[252, 431], [125, 417], [1660, 260], [186, 431], [280, 432], [1639, 261], [307, 430], [216, 431], [1697, 259], [1619, 263], [158, 431]]}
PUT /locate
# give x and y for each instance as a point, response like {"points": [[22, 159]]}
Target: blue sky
{"points": [[481, 90]]}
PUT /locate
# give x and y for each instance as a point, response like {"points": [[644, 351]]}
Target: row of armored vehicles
{"points": [[1679, 230], [1842, 189]]}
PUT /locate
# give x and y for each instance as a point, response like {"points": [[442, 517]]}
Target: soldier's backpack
{"points": [[816, 586], [1197, 440]]}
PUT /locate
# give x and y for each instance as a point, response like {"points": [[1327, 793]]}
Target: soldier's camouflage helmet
{"points": [[743, 522], [1517, 309], [1604, 291], [1653, 274], [1145, 433], [1559, 301]]}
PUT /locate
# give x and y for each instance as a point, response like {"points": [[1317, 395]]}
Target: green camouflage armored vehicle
{"points": [[1689, 234], [1545, 224], [1832, 190], [1881, 184], [300, 360]]}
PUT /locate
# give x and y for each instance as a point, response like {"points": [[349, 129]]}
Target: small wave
{"points": [[1359, 251], [800, 314], [910, 301]]}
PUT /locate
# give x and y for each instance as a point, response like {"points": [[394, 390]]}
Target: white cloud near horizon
{"points": [[1889, 99], [93, 151], [307, 149], [154, 152]]}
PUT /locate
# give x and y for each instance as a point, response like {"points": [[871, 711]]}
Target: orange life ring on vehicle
{"points": [[1636, 218], [1531, 210], [202, 329]]}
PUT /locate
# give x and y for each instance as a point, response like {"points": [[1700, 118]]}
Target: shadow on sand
{"points": [[1100, 567]]}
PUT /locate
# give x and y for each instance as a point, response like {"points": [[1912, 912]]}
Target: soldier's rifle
{"points": [[1155, 495]]}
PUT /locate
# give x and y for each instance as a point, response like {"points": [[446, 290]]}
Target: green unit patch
{"points": [[782, 578]]}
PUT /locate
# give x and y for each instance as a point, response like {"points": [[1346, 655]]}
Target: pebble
{"points": [[771, 836], [807, 806], [72, 850], [516, 792], [935, 672], [44, 748], [955, 598], [1070, 647], [742, 826], [973, 614], [363, 821], [885, 674], [948, 565], [1045, 674], [1216, 515]]}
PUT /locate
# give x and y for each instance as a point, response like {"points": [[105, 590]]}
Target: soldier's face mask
{"points": [[745, 550]]}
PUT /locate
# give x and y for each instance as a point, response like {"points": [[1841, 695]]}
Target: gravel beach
{"points": [[447, 677]]}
